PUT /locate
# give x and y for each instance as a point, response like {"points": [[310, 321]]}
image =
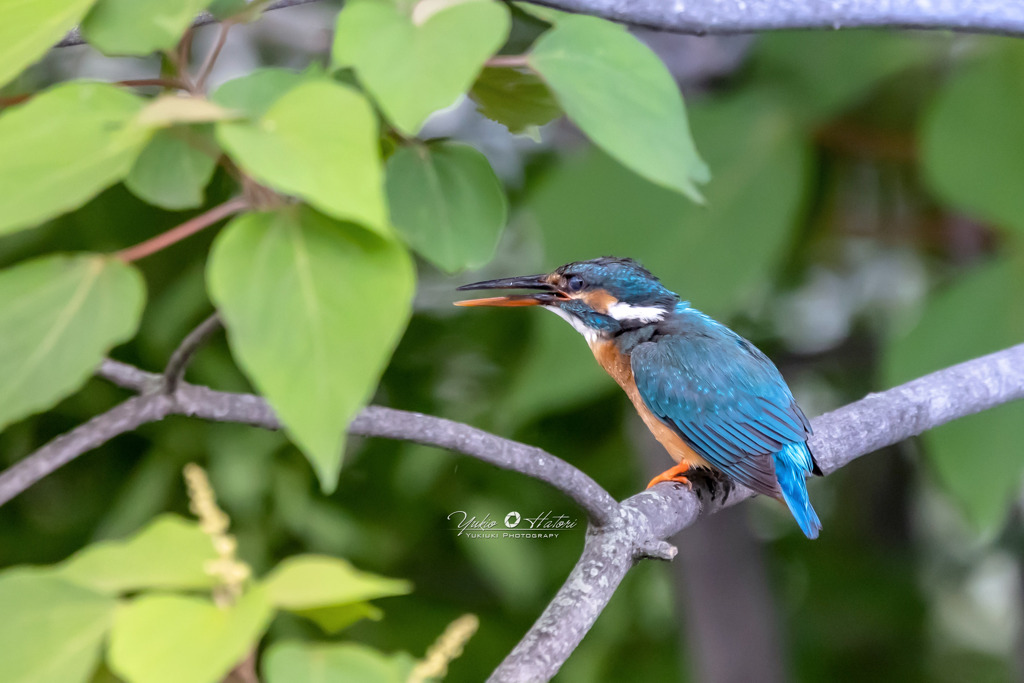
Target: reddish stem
{"points": [[186, 229], [211, 57], [130, 83]]}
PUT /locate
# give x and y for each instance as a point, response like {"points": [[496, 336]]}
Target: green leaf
{"points": [[63, 147], [447, 203], [30, 29], [331, 160], [289, 661], [591, 206], [139, 27], [255, 92], [823, 73], [51, 630], [174, 169], [313, 309], [973, 137], [328, 590], [623, 98], [515, 99], [180, 639], [59, 316], [418, 61], [169, 553], [984, 447]]}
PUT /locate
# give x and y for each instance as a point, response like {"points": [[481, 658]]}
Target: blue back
{"points": [[730, 404]]}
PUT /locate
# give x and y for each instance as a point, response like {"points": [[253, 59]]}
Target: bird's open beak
{"points": [[550, 293]]}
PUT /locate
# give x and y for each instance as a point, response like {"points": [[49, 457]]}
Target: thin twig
{"points": [[186, 229], [152, 82], [175, 370], [211, 56]]}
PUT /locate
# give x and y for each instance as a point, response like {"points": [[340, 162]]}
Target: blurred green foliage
{"points": [[874, 175]]}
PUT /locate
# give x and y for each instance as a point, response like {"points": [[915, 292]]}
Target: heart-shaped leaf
{"points": [[181, 639], [623, 98], [447, 203], [139, 27], [331, 160], [63, 147], [313, 309], [30, 29], [416, 62], [51, 630], [59, 315]]}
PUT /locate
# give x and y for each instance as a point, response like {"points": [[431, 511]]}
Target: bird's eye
{"points": [[574, 283]]}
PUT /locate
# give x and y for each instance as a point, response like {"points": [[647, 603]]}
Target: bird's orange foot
{"points": [[673, 474]]}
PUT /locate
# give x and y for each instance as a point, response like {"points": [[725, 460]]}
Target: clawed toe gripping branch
{"points": [[619, 534]]}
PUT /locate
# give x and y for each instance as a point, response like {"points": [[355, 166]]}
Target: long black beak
{"points": [[550, 293]]}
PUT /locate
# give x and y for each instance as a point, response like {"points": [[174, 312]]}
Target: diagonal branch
{"points": [[875, 421]]}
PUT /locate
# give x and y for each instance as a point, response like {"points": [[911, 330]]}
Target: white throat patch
{"points": [[588, 334], [620, 310]]}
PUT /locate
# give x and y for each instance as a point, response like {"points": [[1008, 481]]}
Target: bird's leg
{"points": [[673, 474]]}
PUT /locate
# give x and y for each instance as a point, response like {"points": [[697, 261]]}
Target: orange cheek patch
{"points": [[599, 299]]}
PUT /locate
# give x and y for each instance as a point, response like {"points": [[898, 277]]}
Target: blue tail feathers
{"points": [[792, 464]]}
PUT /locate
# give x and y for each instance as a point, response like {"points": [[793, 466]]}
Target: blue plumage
{"points": [[721, 399], [731, 405]]}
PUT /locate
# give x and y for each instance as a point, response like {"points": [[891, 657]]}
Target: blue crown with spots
{"points": [[623, 278]]}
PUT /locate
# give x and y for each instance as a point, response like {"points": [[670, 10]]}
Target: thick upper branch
{"points": [[702, 17], [707, 17]]}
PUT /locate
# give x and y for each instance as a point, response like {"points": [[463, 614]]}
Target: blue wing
{"points": [[725, 398]]}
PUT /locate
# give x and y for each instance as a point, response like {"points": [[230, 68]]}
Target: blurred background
{"points": [[863, 227]]}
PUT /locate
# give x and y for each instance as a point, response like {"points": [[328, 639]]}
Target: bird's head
{"points": [[599, 297]]}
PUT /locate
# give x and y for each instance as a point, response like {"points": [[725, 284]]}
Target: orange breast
{"points": [[617, 365]]}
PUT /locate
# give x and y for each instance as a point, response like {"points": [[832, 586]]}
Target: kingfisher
{"points": [[709, 396]]}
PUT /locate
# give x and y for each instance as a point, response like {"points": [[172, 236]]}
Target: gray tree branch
{"points": [[709, 17], [619, 533], [156, 403], [873, 422]]}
